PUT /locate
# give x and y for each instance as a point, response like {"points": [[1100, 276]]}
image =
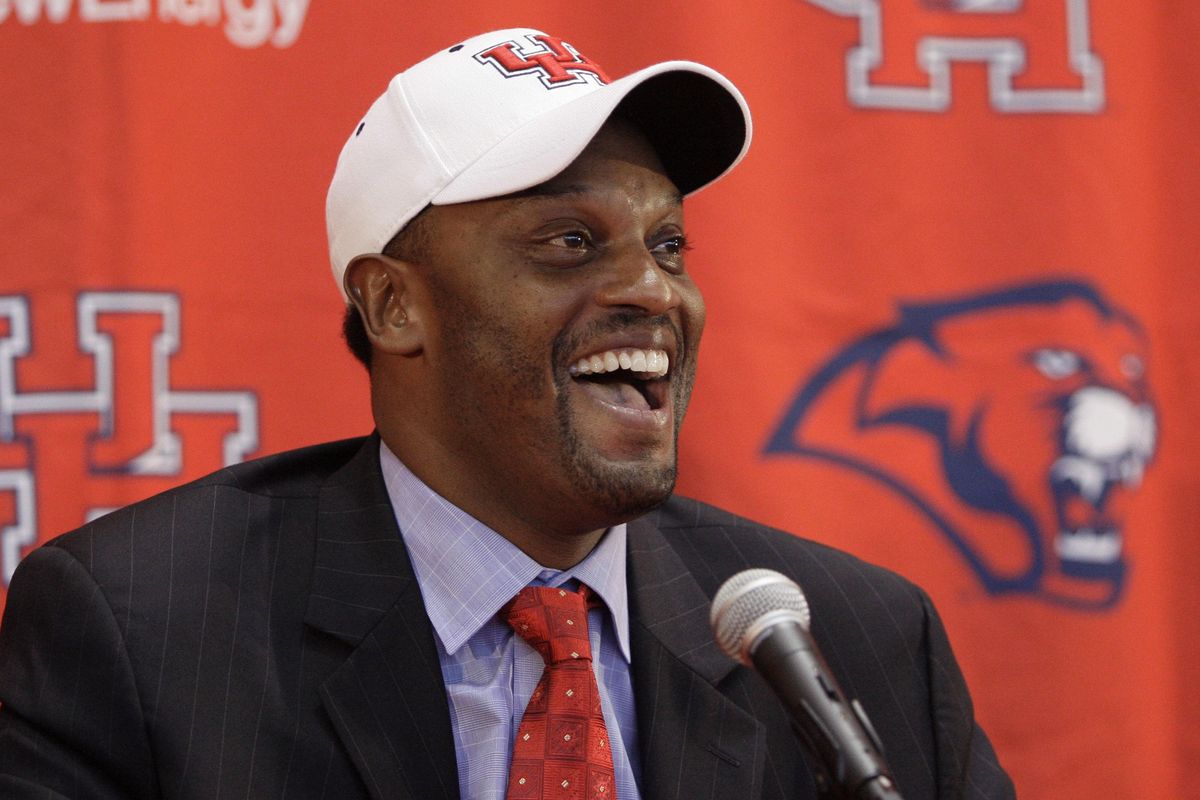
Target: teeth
{"points": [[652, 363]]}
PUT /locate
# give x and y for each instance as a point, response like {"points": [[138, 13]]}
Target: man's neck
{"points": [[534, 527]]}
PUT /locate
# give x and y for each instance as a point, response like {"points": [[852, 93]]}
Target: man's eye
{"points": [[673, 246], [575, 240]]}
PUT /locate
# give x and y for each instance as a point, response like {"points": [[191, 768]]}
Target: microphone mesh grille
{"points": [[749, 596]]}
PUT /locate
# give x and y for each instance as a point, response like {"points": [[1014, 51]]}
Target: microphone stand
{"points": [[879, 787], [833, 728]]}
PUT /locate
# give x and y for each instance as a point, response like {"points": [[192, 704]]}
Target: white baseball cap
{"points": [[505, 111]]}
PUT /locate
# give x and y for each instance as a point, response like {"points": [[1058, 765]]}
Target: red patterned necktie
{"points": [[561, 750]]}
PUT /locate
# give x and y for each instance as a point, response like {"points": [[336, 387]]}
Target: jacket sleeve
{"points": [[71, 723], [967, 764]]}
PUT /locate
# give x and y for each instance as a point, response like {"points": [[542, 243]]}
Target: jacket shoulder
{"points": [[715, 544], [247, 499], [298, 472], [879, 633]]}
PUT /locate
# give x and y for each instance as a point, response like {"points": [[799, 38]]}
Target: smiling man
{"points": [[533, 361], [496, 595]]}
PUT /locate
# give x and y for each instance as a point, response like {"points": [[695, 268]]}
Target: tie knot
{"points": [[553, 621]]}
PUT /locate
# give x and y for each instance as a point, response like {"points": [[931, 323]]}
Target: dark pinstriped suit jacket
{"points": [[260, 634]]}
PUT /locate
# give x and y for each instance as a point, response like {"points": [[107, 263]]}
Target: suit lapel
{"points": [[694, 742], [387, 701]]}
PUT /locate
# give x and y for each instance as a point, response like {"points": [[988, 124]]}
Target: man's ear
{"points": [[381, 288]]}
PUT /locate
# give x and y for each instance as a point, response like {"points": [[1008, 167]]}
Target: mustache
{"points": [[619, 322]]}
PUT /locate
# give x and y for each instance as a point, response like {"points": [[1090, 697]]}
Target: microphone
{"points": [[761, 618]]}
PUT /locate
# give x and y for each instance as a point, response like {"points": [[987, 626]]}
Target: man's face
{"points": [[563, 335]]}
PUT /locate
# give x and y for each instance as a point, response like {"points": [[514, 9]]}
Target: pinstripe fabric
{"points": [[260, 634], [879, 633], [467, 573]]}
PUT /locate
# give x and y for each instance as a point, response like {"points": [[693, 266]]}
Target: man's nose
{"points": [[635, 279]]}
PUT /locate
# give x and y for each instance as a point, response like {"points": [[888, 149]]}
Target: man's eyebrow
{"points": [[548, 190]]}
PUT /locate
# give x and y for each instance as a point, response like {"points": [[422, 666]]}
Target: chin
{"points": [[619, 477], [623, 491]]}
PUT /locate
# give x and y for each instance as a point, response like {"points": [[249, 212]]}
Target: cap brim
{"points": [[696, 120]]}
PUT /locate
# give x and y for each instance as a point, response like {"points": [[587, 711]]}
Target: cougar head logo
{"points": [[1019, 421]]}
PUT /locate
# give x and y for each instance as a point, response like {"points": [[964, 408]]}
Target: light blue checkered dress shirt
{"points": [[467, 572]]}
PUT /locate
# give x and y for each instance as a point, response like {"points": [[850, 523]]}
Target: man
{"points": [[350, 620]]}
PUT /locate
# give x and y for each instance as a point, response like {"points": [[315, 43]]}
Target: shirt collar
{"points": [[467, 571]]}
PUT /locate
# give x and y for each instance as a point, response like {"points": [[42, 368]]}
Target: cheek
{"points": [[472, 338], [510, 354], [693, 312]]}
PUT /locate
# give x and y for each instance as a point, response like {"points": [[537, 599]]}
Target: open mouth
{"points": [[627, 377], [1084, 489]]}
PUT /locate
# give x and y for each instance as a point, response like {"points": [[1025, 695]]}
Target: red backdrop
{"points": [[952, 316]]}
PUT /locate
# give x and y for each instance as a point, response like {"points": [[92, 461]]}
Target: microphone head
{"points": [[751, 602]]}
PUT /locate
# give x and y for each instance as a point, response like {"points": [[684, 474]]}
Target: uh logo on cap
{"points": [[555, 62]]}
